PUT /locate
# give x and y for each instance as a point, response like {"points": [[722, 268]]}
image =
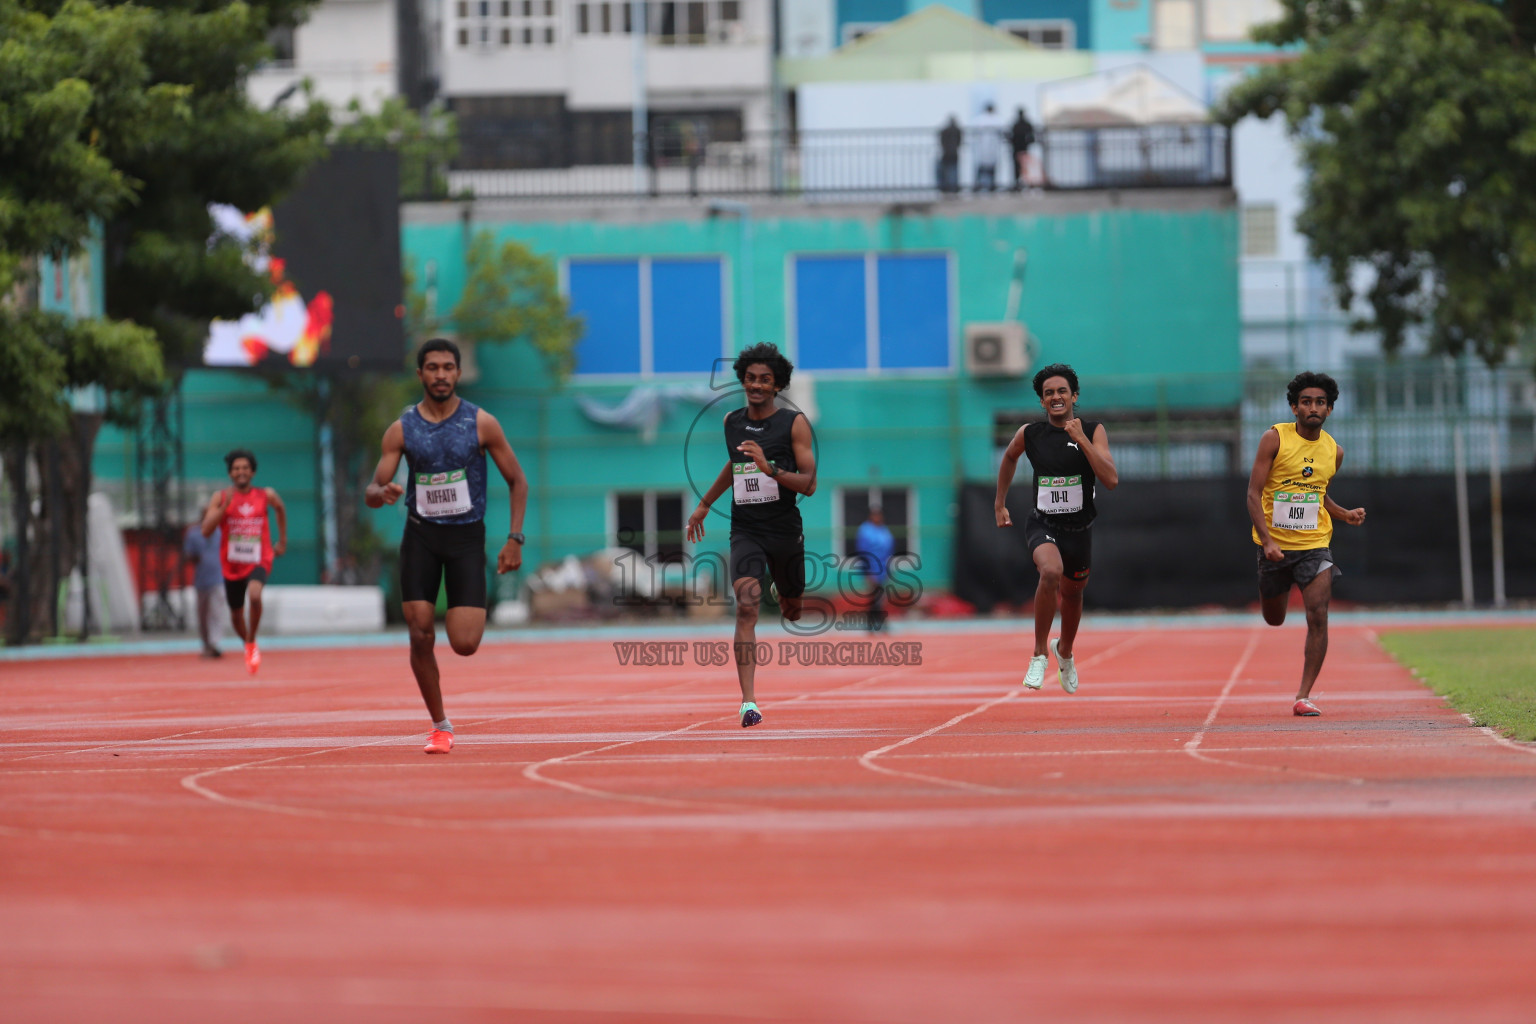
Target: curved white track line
{"points": [[1192, 746], [533, 770], [194, 782], [867, 759]]}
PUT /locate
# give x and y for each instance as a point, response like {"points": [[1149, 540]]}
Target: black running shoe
{"points": [[750, 715]]}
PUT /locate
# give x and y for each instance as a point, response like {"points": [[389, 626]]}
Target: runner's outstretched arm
{"points": [[382, 489], [1269, 447], [281, 512], [496, 445], [695, 531], [1005, 471]]}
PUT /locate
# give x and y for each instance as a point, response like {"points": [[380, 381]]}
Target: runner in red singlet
{"points": [[246, 551]]}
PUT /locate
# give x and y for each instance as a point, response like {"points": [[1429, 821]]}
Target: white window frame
{"points": [[1250, 234], [647, 328], [872, 313], [611, 517], [1067, 27]]}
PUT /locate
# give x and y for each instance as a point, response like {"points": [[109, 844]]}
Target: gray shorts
{"points": [[1298, 567]]}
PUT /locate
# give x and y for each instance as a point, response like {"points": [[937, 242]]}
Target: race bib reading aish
{"points": [[1296, 510], [442, 494], [1059, 494]]}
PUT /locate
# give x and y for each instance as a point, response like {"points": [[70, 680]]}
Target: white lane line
{"points": [[194, 783], [867, 759], [1192, 747], [535, 773]]}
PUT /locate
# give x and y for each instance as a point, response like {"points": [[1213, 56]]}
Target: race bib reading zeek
{"points": [[752, 485], [1296, 510], [1059, 494], [442, 494], [244, 548]]}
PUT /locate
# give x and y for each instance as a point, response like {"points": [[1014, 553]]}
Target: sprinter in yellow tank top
{"points": [[1293, 518]]}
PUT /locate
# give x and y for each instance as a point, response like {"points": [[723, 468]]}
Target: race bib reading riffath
{"points": [[442, 494]]}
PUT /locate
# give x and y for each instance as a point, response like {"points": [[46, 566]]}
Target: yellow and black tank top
{"points": [[1293, 494]]}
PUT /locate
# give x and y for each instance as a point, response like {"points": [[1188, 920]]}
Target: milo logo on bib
{"points": [[1059, 494], [442, 494], [1296, 510]]}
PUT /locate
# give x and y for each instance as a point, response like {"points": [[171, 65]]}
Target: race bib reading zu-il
{"points": [[442, 494], [752, 485], [1058, 494], [1296, 510], [244, 548]]}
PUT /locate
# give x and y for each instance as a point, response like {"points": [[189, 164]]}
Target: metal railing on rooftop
{"points": [[842, 164]]}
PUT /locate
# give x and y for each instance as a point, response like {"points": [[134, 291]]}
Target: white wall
{"points": [[347, 49]]}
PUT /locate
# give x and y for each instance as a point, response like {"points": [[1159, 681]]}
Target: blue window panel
{"points": [[830, 322], [914, 312], [606, 295], [686, 315]]}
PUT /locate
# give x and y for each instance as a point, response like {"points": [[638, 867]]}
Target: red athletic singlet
{"points": [[247, 541]]}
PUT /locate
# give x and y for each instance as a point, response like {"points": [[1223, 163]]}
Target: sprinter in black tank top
{"points": [[1068, 457], [770, 462]]}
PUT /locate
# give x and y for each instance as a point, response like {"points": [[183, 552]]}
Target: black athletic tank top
{"points": [[758, 504], [1063, 479]]}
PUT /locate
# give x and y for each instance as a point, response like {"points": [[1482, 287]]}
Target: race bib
{"points": [[1059, 494], [442, 494], [244, 549], [1296, 510], [752, 485]]}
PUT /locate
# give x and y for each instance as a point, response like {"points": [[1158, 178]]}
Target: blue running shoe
{"points": [[750, 715]]}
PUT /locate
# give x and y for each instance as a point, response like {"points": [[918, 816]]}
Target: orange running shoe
{"points": [[252, 658], [1304, 708], [440, 742]]}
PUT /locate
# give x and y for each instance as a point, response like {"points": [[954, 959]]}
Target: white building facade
{"points": [[348, 49]]}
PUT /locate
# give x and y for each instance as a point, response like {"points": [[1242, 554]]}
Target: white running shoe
{"points": [[1066, 668], [1035, 677]]}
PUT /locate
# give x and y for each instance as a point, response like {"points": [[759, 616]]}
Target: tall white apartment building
{"points": [[554, 83]]}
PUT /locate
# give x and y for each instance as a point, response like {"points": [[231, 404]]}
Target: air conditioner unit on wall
{"points": [[996, 349]]}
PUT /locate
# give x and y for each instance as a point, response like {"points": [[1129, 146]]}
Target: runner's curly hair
{"points": [[769, 355], [1307, 379], [239, 453], [1055, 370]]}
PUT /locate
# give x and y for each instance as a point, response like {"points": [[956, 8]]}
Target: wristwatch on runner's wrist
{"points": [[517, 537]]}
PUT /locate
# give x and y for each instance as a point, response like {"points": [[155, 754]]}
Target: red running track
{"points": [[913, 844]]}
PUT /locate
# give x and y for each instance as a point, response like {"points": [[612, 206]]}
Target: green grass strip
{"points": [[1489, 674]]}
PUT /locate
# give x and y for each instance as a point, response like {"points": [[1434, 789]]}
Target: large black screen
{"points": [[332, 248]]}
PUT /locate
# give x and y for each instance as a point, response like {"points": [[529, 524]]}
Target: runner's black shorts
{"points": [[1298, 567], [431, 552], [1076, 546], [781, 557], [234, 590]]}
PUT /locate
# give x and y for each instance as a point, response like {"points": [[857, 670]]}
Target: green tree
{"points": [[73, 79], [426, 140], [1416, 125], [510, 294]]}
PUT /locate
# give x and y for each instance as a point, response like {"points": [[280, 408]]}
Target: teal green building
{"points": [[1136, 290]]}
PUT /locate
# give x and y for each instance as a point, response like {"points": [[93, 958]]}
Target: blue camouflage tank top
{"points": [[445, 466]]}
